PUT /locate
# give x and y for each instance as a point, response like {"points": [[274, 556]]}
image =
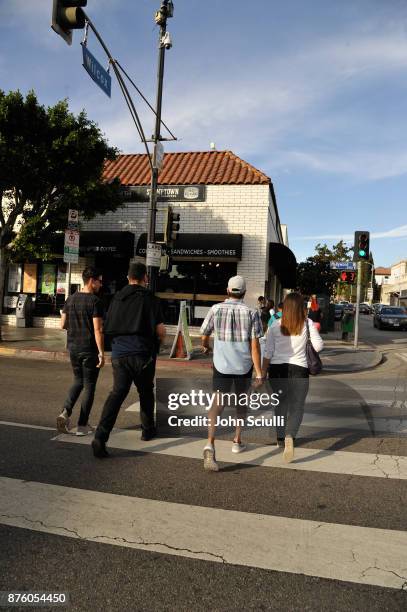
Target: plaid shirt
{"points": [[232, 321]]}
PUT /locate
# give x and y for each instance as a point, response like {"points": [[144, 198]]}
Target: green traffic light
{"points": [[362, 253]]}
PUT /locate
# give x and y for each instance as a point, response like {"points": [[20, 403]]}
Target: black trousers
{"points": [[135, 369], [85, 378], [293, 382]]}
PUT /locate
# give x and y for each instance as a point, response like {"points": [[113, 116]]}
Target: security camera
{"points": [[166, 41]]}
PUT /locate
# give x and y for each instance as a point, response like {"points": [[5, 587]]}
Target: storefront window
{"points": [[204, 277]]}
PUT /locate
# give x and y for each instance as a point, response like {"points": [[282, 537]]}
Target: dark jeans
{"points": [[293, 381], [85, 378], [135, 369]]}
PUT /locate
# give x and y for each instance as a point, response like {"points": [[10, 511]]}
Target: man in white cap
{"points": [[237, 329]]}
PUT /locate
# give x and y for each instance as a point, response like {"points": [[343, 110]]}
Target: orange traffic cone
{"points": [[180, 351]]}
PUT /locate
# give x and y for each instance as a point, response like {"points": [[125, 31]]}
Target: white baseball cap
{"points": [[236, 284]]}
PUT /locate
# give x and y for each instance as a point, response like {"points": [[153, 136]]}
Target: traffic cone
{"points": [[180, 352]]}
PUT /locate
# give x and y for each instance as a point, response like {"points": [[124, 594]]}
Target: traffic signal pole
{"points": [[358, 294], [161, 19]]}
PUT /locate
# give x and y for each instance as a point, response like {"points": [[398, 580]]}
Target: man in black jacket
{"points": [[135, 323]]}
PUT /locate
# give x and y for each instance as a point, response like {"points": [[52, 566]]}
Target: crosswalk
{"points": [[355, 552]]}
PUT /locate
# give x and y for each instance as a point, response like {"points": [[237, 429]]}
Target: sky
{"points": [[311, 92]]}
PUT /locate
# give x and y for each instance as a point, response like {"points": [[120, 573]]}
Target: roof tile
{"points": [[193, 168]]}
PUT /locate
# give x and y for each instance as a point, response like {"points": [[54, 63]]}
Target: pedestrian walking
{"points": [[286, 362], [277, 315], [314, 312], [261, 302], [82, 317], [237, 329], [135, 323]]}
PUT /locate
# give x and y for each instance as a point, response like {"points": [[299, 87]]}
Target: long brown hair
{"points": [[293, 319]]}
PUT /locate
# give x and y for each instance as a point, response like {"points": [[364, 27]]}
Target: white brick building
{"points": [[229, 225]]}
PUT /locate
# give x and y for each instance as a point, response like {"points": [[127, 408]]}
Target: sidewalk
{"points": [[50, 344]]}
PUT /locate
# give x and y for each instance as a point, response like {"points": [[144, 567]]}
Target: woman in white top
{"points": [[285, 359]]}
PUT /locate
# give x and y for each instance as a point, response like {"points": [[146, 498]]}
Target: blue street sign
{"points": [[342, 265], [96, 71]]}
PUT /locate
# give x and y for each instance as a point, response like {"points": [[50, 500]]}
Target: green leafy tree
{"points": [[50, 161], [315, 275]]}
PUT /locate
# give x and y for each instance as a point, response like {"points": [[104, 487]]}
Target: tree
{"points": [[315, 275], [50, 161]]}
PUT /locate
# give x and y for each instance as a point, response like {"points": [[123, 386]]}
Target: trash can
{"points": [[348, 322], [24, 311]]}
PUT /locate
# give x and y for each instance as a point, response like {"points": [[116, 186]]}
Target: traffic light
{"points": [[67, 15], [171, 227], [361, 250], [348, 277]]}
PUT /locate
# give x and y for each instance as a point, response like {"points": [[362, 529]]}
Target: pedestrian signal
{"points": [[67, 15], [361, 249], [348, 277]]}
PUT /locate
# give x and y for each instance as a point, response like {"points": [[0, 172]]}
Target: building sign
{"points": [[48, 279], [14, 279], [117, 244], [198, 246], [165, 193], [30, 278]]}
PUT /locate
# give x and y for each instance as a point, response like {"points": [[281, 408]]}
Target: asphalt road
{"points": [[364, 413]]}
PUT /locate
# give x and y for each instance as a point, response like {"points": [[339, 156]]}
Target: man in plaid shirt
{"points": [[237, 329]]}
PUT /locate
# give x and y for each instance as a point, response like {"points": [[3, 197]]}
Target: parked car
{"points": [[392, 317], [365, 308], [339, 310], [376, 307]]}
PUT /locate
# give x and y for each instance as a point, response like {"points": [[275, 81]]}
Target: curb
{"points": [[63, 356]]}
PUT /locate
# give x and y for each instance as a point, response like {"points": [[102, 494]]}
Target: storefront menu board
{"points": [[30, 278], [48, 279]]}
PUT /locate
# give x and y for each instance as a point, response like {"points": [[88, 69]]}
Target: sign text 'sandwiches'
{"points": [[166, 193]]}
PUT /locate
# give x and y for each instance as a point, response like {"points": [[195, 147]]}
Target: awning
{"points": [[284, 264], [118, 244], [225, 247]]}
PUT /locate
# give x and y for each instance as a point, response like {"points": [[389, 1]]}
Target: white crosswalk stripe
{"points": [[314, 460], [341, 552]]}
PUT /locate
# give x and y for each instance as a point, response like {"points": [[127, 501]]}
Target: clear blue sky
{"points": [[311, 92]]}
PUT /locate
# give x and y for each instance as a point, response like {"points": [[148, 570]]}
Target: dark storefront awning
{"points": [[119, 244], [284, 264], [225, 247]]}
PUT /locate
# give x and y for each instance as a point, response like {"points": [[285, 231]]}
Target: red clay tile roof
{"points": [[382, 271], [208, 168]]}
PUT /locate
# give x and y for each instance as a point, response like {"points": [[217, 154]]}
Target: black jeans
{"points": [[135, 369], [85, 378], [293, 381]]}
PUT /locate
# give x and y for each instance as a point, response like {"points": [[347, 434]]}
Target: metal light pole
{"points": [[358, 293], [161, 17]]}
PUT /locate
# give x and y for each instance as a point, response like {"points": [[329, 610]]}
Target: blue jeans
{"points": [[85, 378]]}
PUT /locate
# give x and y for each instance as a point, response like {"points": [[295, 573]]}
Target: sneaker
{"points": [[63, 422], [288, 449], [148, 434], [210, 460], [238, 447], [99, 449], [84, 430]]}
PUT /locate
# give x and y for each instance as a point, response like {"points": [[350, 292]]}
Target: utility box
{"points": [[24, 311]]}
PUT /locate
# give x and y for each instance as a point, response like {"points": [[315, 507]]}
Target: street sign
{"points": [[159, 155], [73, 219], [71, 246], [342, 265], [96, 71], [153, 255]]}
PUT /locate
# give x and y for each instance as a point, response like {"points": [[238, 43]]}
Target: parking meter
{"points": [[24, 311]]}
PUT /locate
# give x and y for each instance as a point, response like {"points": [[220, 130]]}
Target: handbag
{"points": [[313, 359]]}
